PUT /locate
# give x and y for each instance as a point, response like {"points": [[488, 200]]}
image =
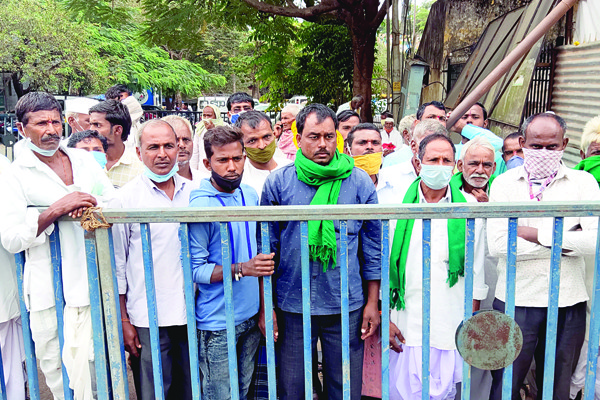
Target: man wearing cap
{"points": [[390, 136], [77, 113]]}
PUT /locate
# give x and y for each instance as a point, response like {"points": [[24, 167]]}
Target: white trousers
{"points": [[44, 332], [78, 351], [11, 346]]}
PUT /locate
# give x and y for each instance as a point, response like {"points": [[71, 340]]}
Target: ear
{"points": [[207, 164], [459, 166], [521, 141], [417, 165], [494, 169], [139, 153], [565, 142], [70, 120], [414, 147], [20, 129], [118, 130], [582, 154], [298, 137], [486, 123]]}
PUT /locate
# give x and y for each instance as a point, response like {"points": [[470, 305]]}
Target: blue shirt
{"points": [[282, 187], [205, 252]]}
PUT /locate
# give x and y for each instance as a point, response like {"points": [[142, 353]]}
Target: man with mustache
{"points": [[185, 145], [158, 187], [364, 145], [67, 181], [225, 160], [476, 167]]}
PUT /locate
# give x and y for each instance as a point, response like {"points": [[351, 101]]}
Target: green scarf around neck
{"points": [[591, 165], [402, 235], [322, 242]]}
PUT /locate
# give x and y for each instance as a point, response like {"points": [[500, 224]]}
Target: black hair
{"points": [[114, 92], [35, 101], [239, 97], [514, 135], [345, 115], [253, 119], [87, 134], [220, 136], [386, 114], [322, 112], [436, 104], [485, 113], [116, 114], [428, 139], [559, 121], [364, 126]]}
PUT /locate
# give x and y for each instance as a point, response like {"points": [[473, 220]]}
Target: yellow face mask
{"points": [[370, 163]]}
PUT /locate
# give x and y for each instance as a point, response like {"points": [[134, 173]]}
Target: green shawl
{"points": [[328, 179], [402, 235], [591, 165]]}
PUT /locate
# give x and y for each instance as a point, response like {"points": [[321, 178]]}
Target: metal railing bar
{"points": [[468, 274], [306, 311], [226, 254], [188, 286], [594, 338], [552, 319], [159, 392], [426, 307], [385, 310], [3, 393], [98, 335], [509, 306], [268, 299], [59, 302], [345, 310]]}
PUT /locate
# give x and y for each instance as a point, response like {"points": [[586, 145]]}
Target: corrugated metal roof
{"points": [[576, 94]]}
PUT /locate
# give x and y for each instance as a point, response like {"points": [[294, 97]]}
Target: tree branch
{"points": [[304, 13], [379, 17]]}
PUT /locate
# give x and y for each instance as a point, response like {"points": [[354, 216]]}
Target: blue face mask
{"points": [[100, 157], [160, 178], [42, 152], [514, 162], [436, 177], [234, 118]]}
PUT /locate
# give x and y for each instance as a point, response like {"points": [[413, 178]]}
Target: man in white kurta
{"points": [[65, 180], [436, 154]]}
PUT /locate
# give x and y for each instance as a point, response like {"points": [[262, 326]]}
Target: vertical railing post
{"points": [[509, 306], [30, 359], [426, 307], [157, 374], [190, 306], [552, 319], [112, 313], [594, 338], [229, 311], [98, 334], [345, 310], [268, 299], [306, 311], [469, 260], [2, 384], [385, 309], [59, 302]]}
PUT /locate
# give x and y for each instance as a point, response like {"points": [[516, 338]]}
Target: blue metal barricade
{"points": [[106, 318]]}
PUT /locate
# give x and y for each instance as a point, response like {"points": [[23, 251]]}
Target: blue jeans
{"points": [[291, 354], [214, 360]]}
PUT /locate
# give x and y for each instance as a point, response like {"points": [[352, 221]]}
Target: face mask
{"points": [[262, 156], [514, 162], [234, 117], [370, 163], [207, 120], [228, 185], [42, 152], [477, 184], [100, 157], [160, 178], [436, 177], [542, 163]]}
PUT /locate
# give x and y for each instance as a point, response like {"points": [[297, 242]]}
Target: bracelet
{"points": [[124, 320], [236, 271], [241, 271]]}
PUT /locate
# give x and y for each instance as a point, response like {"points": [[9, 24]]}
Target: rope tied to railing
{"points": [[90, 221]]}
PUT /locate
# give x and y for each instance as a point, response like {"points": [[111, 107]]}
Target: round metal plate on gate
{"points": [[489, 340]]}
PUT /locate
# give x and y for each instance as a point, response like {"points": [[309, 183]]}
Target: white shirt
{"points": [[141, 192], [9, 297], [394, 182], [393, 137], [533, 260], [30, 182], [256, 178], [447, 303]]}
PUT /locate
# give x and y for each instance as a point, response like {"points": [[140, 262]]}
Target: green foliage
{"points": [[40, 46]]}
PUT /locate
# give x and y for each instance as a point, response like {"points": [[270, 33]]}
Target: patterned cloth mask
{"points": [[541, 163]]}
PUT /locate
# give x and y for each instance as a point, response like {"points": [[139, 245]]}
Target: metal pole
{"points": [[396, 63], [526, 44], [390, 65]]}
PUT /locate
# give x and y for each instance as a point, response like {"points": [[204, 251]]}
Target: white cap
{"points": [[389, 119], [80, 105]]}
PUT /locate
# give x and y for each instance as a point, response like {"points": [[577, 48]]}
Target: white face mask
{"points": [[436, 177], [42, 152]]}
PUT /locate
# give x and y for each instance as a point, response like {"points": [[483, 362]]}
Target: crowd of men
{"points": [[310, 157]]}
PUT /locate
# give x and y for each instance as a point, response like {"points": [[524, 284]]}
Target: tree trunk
{"points": [[363, 48], [18, 86]]}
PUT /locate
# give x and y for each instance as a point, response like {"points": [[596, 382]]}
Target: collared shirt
{"points": [[9, 298], [533, 260], [128, 167], [283, 188], [27, 183], [141, 192], [256, 177], [447, 303]]}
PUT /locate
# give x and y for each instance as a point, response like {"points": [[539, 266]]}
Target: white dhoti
{"points": [[44, 332], [78, 351], [13, 355]]}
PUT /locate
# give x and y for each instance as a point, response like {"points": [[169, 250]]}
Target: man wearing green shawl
{"points": [[435, 167], [321, 175], [590, 148]]}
